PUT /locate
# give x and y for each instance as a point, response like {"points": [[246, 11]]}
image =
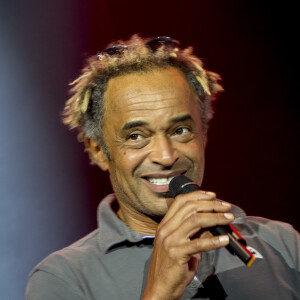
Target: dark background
{"points": [[49, 192]]}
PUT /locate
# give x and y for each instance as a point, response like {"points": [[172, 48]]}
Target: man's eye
{"points": [[181, 131], [135, 137]]}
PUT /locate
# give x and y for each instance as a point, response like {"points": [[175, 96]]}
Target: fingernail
{"points": [[228, 216], [226, 204], [210, 193], [223, 238]]}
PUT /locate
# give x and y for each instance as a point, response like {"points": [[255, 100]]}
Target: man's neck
{"points": [[138, 221]]}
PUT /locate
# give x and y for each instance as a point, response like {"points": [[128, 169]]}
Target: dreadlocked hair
{"points": [[85, 109]]}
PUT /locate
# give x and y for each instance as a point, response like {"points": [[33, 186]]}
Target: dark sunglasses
{"points": [[153, 44]]}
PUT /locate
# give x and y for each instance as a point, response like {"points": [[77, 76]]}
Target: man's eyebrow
{"points": [[183, 118], [138, 123], [134, 124]]}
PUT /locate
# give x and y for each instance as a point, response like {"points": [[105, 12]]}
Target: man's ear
{"points": [[96, 153]]}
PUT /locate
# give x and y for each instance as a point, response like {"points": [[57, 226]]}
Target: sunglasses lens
{"points": [[114, 50], [162, 41]]}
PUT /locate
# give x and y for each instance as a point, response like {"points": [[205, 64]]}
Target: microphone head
{"points": [[182, 185]]}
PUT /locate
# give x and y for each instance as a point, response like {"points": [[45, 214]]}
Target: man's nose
{"points": [[163, 151]]}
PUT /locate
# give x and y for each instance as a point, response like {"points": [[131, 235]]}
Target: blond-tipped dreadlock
{"points": [[85, 109]]}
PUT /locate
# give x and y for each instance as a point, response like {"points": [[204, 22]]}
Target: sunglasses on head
{"points": [[153, 44]]}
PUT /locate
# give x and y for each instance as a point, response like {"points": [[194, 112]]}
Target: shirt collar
{"points": [[112, 230], [239, 214]]}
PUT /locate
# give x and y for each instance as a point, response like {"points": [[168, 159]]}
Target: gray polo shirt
{"points": [[112, 262]]}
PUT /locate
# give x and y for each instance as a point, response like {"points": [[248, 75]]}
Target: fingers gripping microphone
{"points": [[237, 245]]}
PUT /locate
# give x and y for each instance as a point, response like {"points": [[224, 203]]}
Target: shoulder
{"points": [[58, 276], [71, 257], [280, 236], [270, 229]]}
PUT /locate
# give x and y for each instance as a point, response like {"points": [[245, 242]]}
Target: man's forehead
{"points": [[156, 85]]}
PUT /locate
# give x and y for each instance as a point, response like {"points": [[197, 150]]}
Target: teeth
{"points": [[160, 181]]}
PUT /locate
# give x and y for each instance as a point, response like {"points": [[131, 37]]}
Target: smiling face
{"points": [[152, 130]]}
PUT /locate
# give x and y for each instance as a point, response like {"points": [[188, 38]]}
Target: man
{"points": [[142, 109]]}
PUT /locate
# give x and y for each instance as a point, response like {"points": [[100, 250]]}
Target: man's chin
{"points": [[159, 206]]}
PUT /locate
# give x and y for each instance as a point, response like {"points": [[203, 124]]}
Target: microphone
{"points": [[237, 245]]}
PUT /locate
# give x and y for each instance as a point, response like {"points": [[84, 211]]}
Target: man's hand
{"points": [[180, 238]]}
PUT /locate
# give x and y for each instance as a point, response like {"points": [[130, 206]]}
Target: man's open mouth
{"points": [[160, 181]]}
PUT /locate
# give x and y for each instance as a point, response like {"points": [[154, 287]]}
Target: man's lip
{"points": [[156, 188]]}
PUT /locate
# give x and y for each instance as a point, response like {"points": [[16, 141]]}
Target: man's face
{"points": [[153, 132]]}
